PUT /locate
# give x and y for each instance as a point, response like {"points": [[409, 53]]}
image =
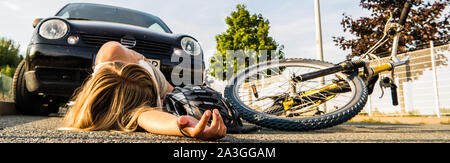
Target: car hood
{"points": [[121, 30]]}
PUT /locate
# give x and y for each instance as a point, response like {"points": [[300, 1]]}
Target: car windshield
{"points": [[82, 11]]}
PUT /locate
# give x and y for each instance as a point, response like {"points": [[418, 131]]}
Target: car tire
{"points": [[29, 103]]}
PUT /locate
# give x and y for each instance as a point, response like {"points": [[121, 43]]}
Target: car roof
{"points": [[104, 5], [122, 8]]}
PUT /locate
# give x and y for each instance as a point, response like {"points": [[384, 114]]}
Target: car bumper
{"points": [[58, 70]]}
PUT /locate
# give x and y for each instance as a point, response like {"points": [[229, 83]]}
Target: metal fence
{"points": [[423, 85]]}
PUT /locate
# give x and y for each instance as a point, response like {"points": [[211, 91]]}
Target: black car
{"points": [[60, 55]]}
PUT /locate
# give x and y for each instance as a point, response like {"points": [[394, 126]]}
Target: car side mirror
{"points": [[36, 22]]}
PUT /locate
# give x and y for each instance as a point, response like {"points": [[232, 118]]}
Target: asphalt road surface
{"points": [[33, 129]]}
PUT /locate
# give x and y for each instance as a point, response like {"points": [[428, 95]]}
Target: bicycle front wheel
{"points": [[266, 95]]}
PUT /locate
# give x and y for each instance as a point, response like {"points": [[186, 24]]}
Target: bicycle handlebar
{"points": [[405, 12]]}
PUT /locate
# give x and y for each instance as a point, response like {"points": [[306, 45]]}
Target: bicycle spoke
{"points": [[277, 83]]}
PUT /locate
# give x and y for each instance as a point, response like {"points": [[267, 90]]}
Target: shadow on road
{"points": [[15, 120], [358, 128], [9, 117], [7, 108]]}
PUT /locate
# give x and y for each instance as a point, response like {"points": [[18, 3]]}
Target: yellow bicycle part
{"points": [[311, 92], [320, 102], [382, 68], [289, 103], [378, 69]]}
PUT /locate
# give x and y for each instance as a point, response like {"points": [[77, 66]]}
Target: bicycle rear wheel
{"points": [[261, 94]]}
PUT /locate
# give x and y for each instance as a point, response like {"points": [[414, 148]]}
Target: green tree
{"points": [[8, 71], [9, 56], [426, 21], [247, 37]]}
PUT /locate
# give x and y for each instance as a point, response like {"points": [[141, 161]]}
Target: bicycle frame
{"points": [[290, 104], [353, 66]]}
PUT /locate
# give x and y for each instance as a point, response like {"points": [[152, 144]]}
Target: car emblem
{"points": [[128, 42]]}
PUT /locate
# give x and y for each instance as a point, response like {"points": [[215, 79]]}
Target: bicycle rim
{"points": [[339, 108]]}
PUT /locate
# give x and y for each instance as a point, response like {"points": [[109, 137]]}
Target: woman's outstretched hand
{"points": [[200, 129]]}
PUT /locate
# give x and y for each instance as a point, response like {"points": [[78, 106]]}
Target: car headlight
{"points": [[53, 29], [190, 46]]}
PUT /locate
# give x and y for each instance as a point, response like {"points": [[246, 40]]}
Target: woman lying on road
{"points": [[125, 93]]}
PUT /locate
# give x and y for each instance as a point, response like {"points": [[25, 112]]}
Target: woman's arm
{"points": [[163, 123], [158, 122]]}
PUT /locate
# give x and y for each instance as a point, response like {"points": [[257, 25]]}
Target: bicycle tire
{"points": [[339, 116]]}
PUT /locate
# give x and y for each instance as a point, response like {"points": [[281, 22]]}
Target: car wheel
{"points": [[29, 103]]}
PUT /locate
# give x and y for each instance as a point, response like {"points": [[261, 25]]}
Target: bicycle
{"points": [[314, 94]]}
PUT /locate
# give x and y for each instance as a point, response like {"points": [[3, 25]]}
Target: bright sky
{"points": [[292, 21]]}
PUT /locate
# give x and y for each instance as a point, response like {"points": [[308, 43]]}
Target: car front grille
{"points": [[139, 45], [51, 74]]}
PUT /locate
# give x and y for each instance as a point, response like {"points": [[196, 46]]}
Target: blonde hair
{"points": [[112, 99]]}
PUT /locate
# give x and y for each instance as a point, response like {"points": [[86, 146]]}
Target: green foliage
{"points": [[247, 37], [5, 82], [9, 56], [426, 21], [8, 71]]}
